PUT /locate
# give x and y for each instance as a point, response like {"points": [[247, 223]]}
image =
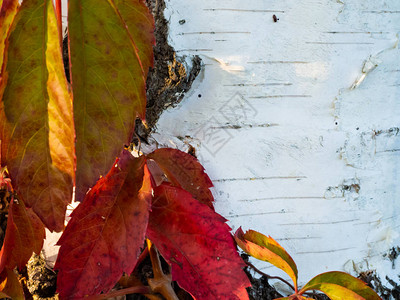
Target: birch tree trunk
{"points": [[296, 119]]}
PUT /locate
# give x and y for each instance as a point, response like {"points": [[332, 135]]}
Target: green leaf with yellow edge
{"points": [[110, 57], [267, 249], [7, 13], [36, 121], [340, 285]]}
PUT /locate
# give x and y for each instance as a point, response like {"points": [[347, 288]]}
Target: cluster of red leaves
{"points": [[107, 230]]}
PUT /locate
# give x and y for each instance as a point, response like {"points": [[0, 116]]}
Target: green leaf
{"points": [[267, 249], [109, 63], [36, 122], [340, 285]]}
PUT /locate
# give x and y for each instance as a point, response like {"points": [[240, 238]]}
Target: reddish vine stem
{"points": [[161, 283], [279, 278], [270, 277], [142, 256], [131, 290], [59, 19]]}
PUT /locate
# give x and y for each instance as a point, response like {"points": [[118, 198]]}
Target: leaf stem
{"points": [[59, 19], [314, 294], [270, 277], [310, 293], [161, 283]]}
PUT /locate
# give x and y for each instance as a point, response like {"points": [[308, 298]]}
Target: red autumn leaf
{"points": [[10, 287], [36, 123], [340, 285], [110, 58], [24, 235], [103, 238], [185, 171], [197, 244], [266, 248]]}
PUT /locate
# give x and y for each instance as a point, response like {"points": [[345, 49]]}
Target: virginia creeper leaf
{"points": [[185, 171], [36, 122], [103, 238], [10, 287], [7, 13], [340, 285], [197, 243], [140, 22], [108, 67], [24, 235], [266, 248]]}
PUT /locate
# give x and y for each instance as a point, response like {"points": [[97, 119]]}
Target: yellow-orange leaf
{"points": [[7, 13], [36, 122], [10, 287], [110, 56], [340, 285], [267, 249]]}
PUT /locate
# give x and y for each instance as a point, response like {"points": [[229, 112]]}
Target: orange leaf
{"points": [[10, 287], [24, 235], [185, 171], [103, 238], [266, 248], [340, 285], [197, 243], [36, 123], [109, 63]]}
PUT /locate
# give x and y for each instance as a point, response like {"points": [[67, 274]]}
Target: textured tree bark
{"points": [[295, 117]]}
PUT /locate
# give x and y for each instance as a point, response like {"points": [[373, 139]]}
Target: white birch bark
{"points": [[297, 123]]}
